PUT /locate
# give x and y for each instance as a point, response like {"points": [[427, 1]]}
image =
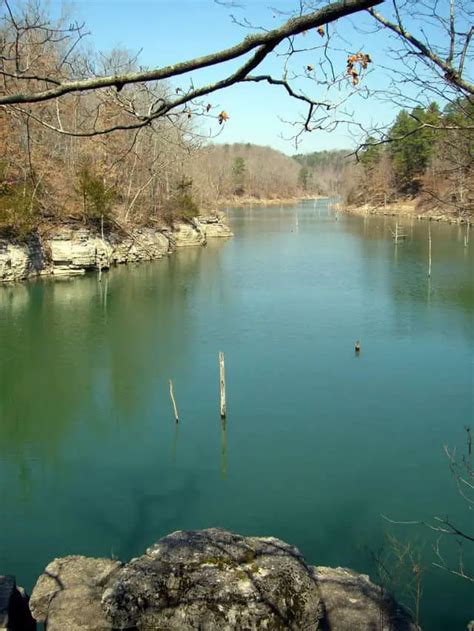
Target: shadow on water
{"points": [[174, 447]]}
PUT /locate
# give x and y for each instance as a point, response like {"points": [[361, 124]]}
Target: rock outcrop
{"points": [[70, 250], [352, 601], [19, 260], [211, 580], [68, 594]]}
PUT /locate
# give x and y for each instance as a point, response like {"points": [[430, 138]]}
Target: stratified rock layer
{"points": [[211, 580], [69, 250]]}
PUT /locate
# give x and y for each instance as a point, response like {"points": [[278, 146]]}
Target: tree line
{"points": [[427, 154], [152, 176]]}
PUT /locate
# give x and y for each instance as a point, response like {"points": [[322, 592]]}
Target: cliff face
{"points": [[70, 250], [211, 580]]}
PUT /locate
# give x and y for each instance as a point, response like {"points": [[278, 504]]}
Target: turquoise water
{"points": [[319, 442]]}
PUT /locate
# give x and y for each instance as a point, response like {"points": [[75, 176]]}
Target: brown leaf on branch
{"points": [[223, 117], [352, 60], [321, 31]]}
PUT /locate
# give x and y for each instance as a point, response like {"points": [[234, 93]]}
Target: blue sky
{"points": [[171, 31]]}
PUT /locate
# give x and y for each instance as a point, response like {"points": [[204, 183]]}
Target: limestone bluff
{"points": [[73, 249]]}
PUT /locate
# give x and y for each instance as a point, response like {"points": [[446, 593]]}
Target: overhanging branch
{"points": [[265, 42]]}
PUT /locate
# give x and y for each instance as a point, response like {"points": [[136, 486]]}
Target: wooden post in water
{"points": [[175, 409], [222, 384], [429, 251]]}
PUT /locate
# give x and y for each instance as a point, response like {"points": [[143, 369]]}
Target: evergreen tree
{"points": [[412, 145], [238, 175]]}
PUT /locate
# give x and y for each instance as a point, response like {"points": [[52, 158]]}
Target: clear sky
{"points": [[168, 31]]}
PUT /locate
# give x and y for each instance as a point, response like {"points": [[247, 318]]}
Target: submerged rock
{"points": [[211, 579]]}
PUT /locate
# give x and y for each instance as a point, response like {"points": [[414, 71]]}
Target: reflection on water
{"points": [[223, 448], [174, 450], [319, 441]]}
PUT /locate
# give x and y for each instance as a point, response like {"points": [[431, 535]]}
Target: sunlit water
{"points": [[319, 442]]}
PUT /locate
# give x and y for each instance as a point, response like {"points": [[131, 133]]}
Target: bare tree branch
{"points": [[451, 74], [264, 42]]}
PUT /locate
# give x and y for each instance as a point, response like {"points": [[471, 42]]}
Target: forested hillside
{"points": [[246, 170], [427, 155], [57, 165], [148, 175], [326, 172]]}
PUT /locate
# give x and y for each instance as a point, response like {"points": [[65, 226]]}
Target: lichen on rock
{"points": [[212, 580]]}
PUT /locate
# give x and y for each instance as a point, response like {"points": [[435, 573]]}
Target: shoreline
{"points": [[67, 250], [240, 202], [405, 210]]}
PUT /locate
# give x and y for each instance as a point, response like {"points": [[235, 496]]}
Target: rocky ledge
{"points": [[70, 250], [211, 580]]}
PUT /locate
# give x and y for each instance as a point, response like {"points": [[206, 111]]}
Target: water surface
{"points": [[319, 442]]}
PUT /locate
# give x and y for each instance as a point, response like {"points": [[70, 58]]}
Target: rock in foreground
{"points": [[211, 579]]}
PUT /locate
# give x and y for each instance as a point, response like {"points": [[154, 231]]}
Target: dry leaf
{"points": [[223, 116]]}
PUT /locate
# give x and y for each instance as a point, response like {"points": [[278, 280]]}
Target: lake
{"points": [[319, 443]]}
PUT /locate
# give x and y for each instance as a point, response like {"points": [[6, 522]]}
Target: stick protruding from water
{"points": [[222, 384], [175, 409]]}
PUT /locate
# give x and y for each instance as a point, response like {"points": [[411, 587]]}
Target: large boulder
{"points": [[211, 580]]}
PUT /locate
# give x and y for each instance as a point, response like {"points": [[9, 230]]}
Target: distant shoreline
{"points": [[240, 202], [405, 210]]}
